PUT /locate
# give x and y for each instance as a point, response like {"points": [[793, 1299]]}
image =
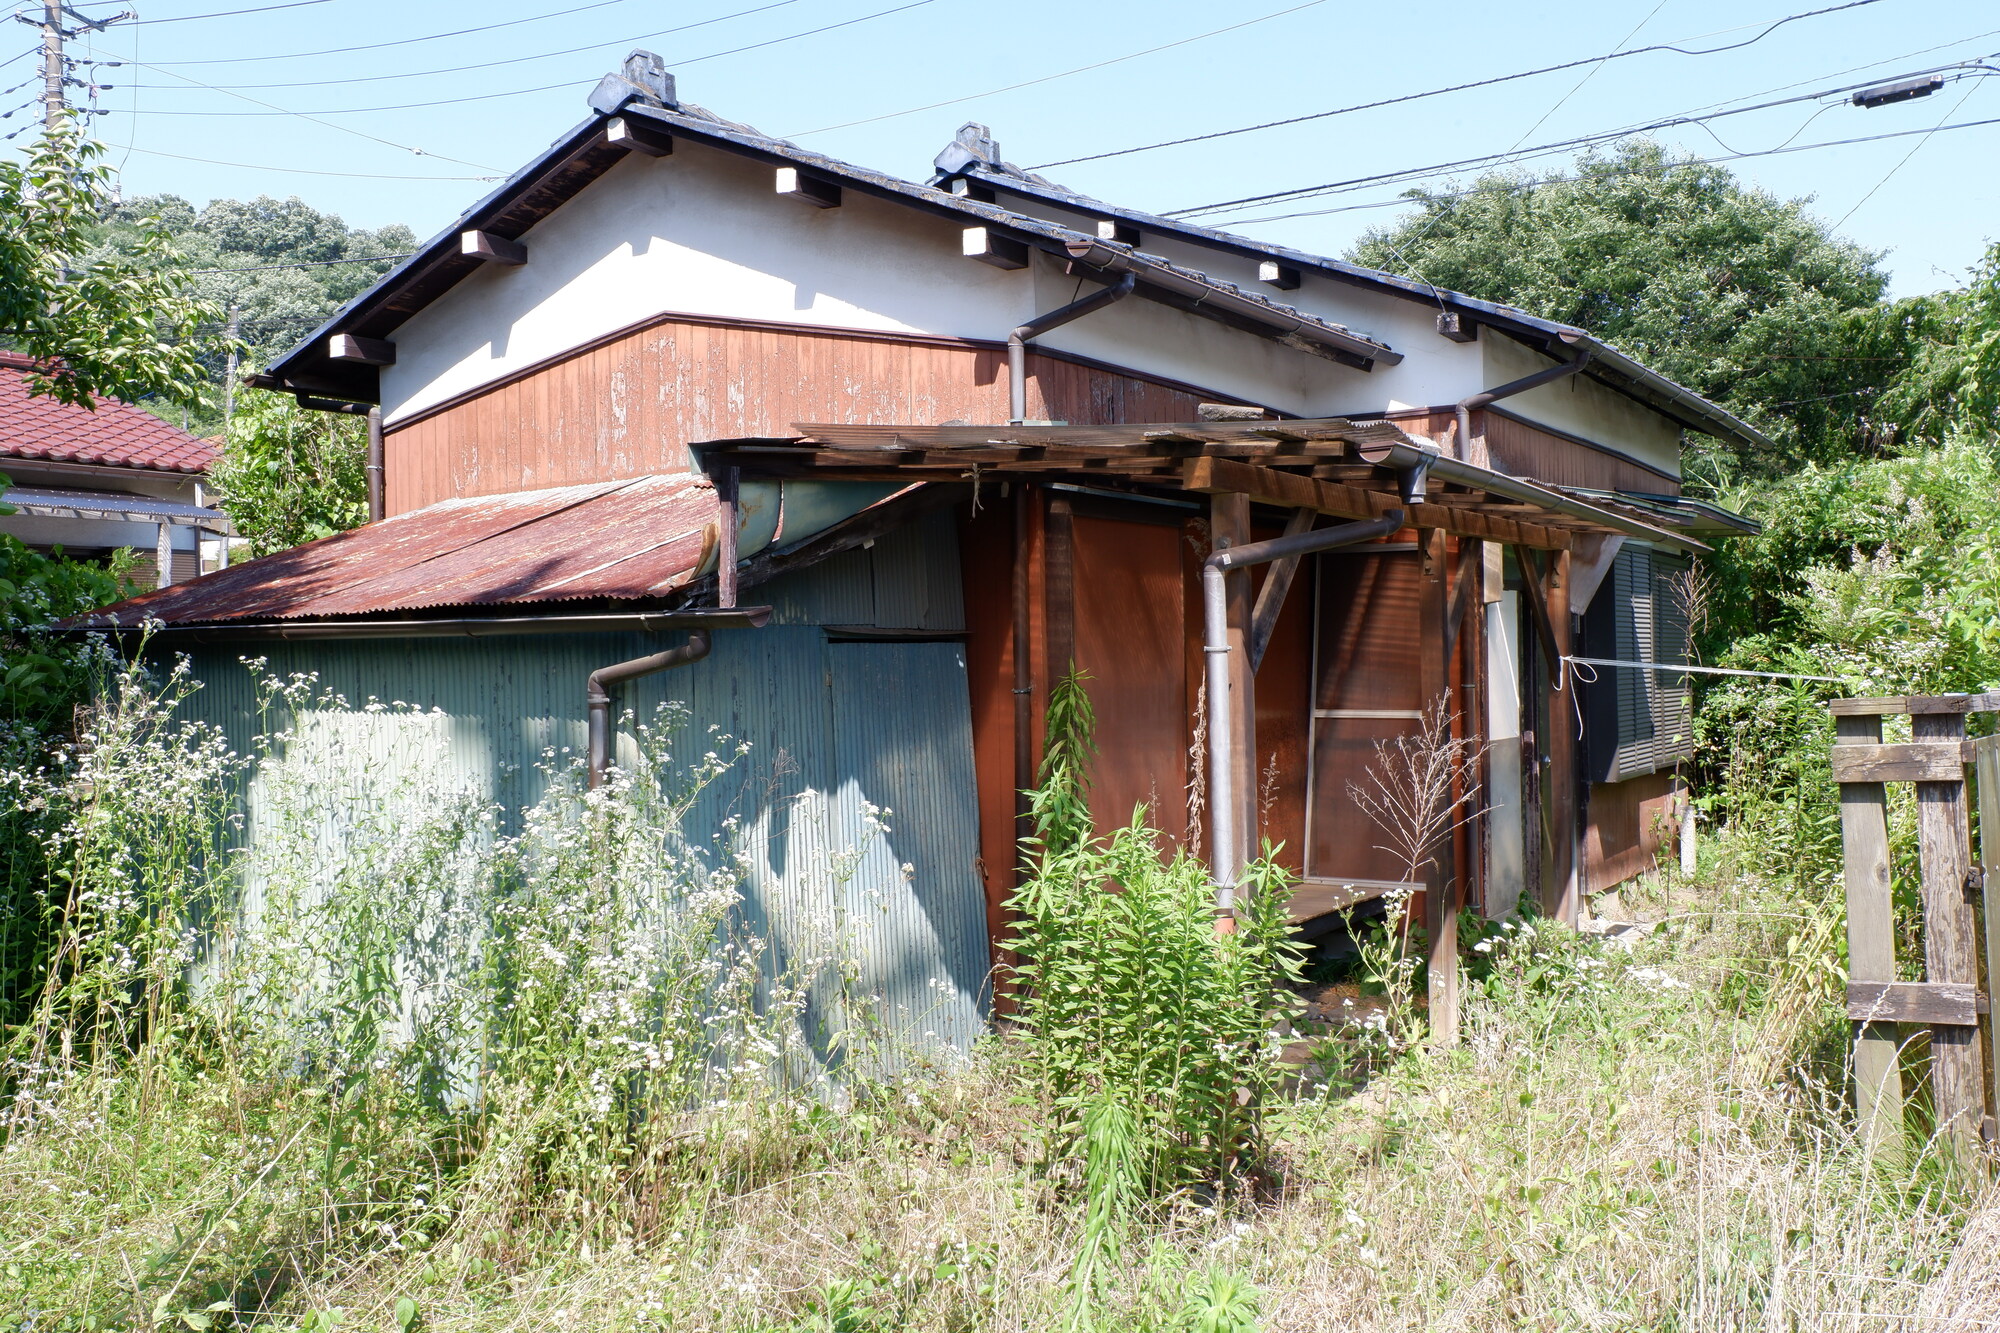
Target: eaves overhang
{"points": [[1609, 365], [586, 153]]}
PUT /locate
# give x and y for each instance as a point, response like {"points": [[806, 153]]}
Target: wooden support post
{"points": [[1277, 583], [1566, 876], [1434, 657], [1986, 774], [1951, 940], [1229, 520], [1871, 944]]}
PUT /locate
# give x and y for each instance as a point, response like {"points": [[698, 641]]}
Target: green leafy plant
{"points": [[288, 476]]}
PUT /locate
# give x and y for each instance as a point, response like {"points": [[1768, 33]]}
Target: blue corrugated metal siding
{"points": [[833, 729], [909, 579]]}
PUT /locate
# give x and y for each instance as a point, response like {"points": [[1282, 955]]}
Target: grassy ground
{"points": [[1626, 1139]]}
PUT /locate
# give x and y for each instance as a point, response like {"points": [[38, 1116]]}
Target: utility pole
{"points": [[55, 68], [229, 372]]}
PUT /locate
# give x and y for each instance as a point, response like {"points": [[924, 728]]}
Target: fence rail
{"points": [[1952, 998]]}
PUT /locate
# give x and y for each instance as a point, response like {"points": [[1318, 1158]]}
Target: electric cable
{"points": [[519, 92], [1689, 161], [401, 41], [515, 60], [1081, 69], [1455, 88], [307, 171], [304, 263], [1915, 148], [231, 13], [1559, 145]]}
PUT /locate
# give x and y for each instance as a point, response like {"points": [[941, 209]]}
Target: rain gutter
{"points": [[1017, 341], [1225, 862], [1401, 456], [466, 627], [1466, 406]]}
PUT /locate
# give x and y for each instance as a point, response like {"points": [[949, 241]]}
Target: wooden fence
{"points": [[1951, 1000]]}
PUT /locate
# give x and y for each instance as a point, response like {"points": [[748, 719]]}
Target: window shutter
{"points": [[1655, 726]]}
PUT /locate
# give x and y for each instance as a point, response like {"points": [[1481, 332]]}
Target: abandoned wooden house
{"points": [[871, 463]]}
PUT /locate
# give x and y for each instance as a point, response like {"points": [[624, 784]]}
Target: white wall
{"points": [[1582, 406], [703, 232]]}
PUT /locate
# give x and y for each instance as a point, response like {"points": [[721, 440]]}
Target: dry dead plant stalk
{"points": [[1419, 788]]}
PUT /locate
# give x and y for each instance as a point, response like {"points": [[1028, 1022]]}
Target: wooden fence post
{"points": [[1871, 943], [1986, 772], [1441, 880], [1951, 937]]}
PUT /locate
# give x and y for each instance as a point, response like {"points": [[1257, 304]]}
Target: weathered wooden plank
{"points": [[1277, 583], [1871, 942], [1564, 834], [1951, 940], [1932, 761], [1318, 897], [1917, 704], [1441, 881], [1944, 1003], [1986, 775], [1229, 520], [491, 249], [1292, 491]]}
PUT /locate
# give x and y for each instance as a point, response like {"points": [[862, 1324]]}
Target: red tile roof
{"points": [[115, 435], [639, 540]]}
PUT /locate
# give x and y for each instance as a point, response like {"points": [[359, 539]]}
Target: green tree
{"points": [[1951, 385], [287, 475], [283, 266], [1745, 298], [123, 325]]}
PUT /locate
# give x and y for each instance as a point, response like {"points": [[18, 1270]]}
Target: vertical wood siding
{"points": [[630, 406]]}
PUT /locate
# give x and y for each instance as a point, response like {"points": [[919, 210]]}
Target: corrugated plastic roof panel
{"points": [[634, 540], [114, 435]]}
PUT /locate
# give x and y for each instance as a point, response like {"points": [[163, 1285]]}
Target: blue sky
{"points": [[219, 90]]}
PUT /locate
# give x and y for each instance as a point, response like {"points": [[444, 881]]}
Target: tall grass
{"points": [[602, 1108]]}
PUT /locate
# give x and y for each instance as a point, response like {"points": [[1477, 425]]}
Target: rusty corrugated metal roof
{"points": [[636, 540]]}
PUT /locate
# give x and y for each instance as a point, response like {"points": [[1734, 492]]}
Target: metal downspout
{"points": [[375, 501], [599, 697], [1224, 864], [1462, 446], [1017, 341]]}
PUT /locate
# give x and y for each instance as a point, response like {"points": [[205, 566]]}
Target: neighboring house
{"points": [[93, 481], [944, 441]]}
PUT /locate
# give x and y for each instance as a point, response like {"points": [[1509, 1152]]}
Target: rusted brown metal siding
{"points": [[1627, 824], [1519, 449], [628, 406]]}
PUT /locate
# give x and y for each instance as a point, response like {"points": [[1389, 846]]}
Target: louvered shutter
{"points": [[1655, 725]]}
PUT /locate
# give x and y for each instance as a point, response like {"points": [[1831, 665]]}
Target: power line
{"points": [[1454, 88], [275, 110], [307, 171], [232, 13], [1082, 69], [1915, 148], [1686, 161], [404, 41], [515, 60], [523, 92], [1559, 145]]}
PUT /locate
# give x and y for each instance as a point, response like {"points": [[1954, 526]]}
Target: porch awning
{"points": [[114, 505], [1344, 468]]}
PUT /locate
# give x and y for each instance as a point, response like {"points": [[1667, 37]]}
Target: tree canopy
{"points": [[125, 325], [1745, 298]]}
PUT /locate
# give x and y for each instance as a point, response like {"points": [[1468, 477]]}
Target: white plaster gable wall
{"points": [[704, 233], [1434, 370], [1582, 406]]}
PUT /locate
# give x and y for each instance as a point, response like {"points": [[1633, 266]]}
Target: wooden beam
{"points": [[1277, 583], [1229, 520], [1461, 596], [360, 351], [1951, 940], [1940, 1003], [491, 249], [1930, 761], [808, 189], [638, 136], [1986, 775], [1538, 612], [1281, 276], [1566, 903], [1871, 942], [1441, 885], [1289, 490], [1917, 704], [1121, 233], [988, 247]]}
